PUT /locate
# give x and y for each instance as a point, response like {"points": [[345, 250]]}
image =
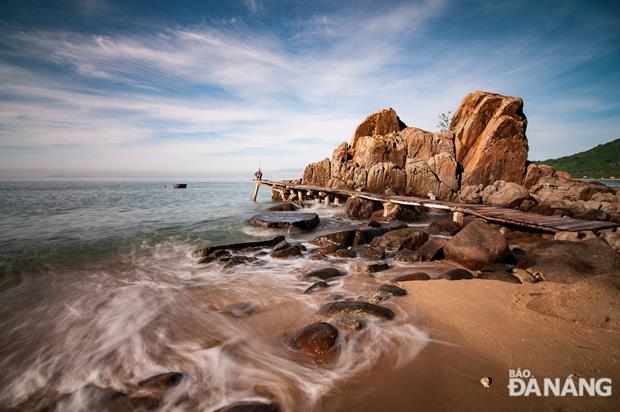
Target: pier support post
{"points": [[327, 200], [300, 196], [336, 201], [458, 217], [256, 190]]}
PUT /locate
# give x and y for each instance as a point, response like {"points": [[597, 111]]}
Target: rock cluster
{"points": [[482, 158]]}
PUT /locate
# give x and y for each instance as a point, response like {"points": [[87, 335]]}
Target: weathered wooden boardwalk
{"points": [[293, 192]]}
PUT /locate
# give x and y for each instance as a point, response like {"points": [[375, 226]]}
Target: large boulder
{"points": [[381, 122], [386, 176], [476, 245], [358, 208], [490, 138], [504, 194], [566, 261]]}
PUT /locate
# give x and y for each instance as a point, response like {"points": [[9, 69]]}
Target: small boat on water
{"points": [[179, 185]]}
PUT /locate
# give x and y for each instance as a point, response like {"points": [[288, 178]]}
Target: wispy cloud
{"points": [[218, 95]]}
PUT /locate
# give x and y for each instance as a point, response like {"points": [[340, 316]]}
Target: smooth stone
{"points": [[343, 238], [282, 245], [284, 207], [392, 289], [456, 274], [315, 286], [324, 273], [236, 246], [327, 250], [371, 267], [407, 256], [155, 386], [411, 277], [344, 253], [501, 276], [336, 308], [476, 245], [371, 253], [395, 240], [292, 251], [431, 250], [250, 406], [284, 220], [232, 261], [316, 339], [444, 226]]}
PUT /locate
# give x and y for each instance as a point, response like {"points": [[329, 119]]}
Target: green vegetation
{"points": [[602, 161]]}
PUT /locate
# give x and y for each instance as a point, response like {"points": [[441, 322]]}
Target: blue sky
{"points": [[209, 88]]}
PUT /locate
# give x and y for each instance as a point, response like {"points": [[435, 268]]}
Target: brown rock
{"points": [[356, 307], [444, 226], [477, 244], [490, 138], [284, 207], [392, 290], [384, 176], [317, 340], [417, 276], [291, 251], [566, 261], [318, 173], [504, 194], [359, 208], [250, 406], [500, 276], [155, 386], [381, 122], [324, 273], [395, 240], [315, 286], [342, 238], [432, 249], [456, 274], [371, 267]]}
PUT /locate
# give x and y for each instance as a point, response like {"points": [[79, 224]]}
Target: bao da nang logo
{"points": [[523, 383]]}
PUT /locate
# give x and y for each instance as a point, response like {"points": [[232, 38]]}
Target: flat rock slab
{"points": [[284, 220]]}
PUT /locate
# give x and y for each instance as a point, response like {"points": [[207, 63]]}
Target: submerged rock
{"points": [[371, 267], [336, 308], [315, 286], [291, 251], [284, 220], [477, 244], [501, 276], [345, 253], [317, 340], [240, 309], [250, 406], [155, 386], [204, 252], [342, 238], [324, 273]]}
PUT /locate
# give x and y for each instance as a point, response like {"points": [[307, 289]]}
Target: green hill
{"points": [[599, 162]]}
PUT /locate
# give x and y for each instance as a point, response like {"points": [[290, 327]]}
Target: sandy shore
{"points": [[485, 328]]}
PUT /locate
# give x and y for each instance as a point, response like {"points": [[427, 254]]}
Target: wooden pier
{"points": [[292, 192]]}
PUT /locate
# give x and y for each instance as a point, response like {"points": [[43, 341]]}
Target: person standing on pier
{"points": [[259, 174]]}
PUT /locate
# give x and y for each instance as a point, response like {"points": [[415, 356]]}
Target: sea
{"points": [[99, 291]]}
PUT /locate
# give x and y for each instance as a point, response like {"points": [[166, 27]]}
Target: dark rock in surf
{"points": [[316, 286], [155, 386], [282, 245], [345, 253], [284, 220], [324, 273], [392, 290], [317, 340], [348, 307], [204, 252], [411, 277], [284, 207], [240, 309], [371, 253], [289, 252], [250, 406], [476, 245], [371, 267], [343, 239], [359, 208]]}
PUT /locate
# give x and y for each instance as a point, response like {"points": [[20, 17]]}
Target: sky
{"points": [[213, 88]]}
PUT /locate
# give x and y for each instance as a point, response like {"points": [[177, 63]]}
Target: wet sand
{"points": [[485, 328]]}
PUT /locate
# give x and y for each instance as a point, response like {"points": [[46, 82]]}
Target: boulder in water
{"points": [[343, 238], [456, 274], [316, 286], [477, 244], [417, 276], [324, 273], [395, 240], [356, 307], [392, 290], [155, 386], [317, 340], [250, 406], [284, 220], [359, 208]]}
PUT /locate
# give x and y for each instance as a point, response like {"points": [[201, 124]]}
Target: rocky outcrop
{"points": [[490, 138], [481, 159]]}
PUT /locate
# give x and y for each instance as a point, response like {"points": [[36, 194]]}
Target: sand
{"points": [[485, 328]]}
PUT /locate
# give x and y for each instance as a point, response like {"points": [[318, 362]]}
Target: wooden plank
{"points": [[490, 213]]}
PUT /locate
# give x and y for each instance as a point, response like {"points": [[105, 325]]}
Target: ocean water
{"points": [[98, 291]]}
